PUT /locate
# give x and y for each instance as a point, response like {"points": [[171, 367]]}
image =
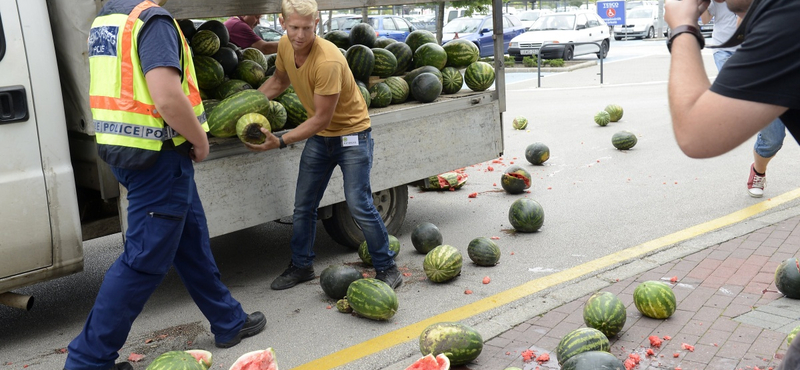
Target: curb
{"points": [[551, 69]]}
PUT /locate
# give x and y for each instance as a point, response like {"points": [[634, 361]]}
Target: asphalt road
{"points": [[597, 201]]}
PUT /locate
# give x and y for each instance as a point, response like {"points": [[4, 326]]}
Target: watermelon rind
{"points": [[363, 34], [479, 76], [385, 62], [483, 251], [230, 87], [452, 80], [399, 88], [417, 38], [276, 115], [579, 341], [425, 237], [361, 61], [178, 360], [335, 280], [251, 72], [380, 95], [605, 312], [222, 121], [614, 111], [792, 335], [295, 111], [411, 75], [624, 140], [462, 344], [515, 180], [404, 55], [363, 251], [255, 55], [430, 54], [382, 42], [339, 38], [218, 28], [443, 263], [248, 128], [372, 299], [654, 299], [202, 356], [431, 362], [365, 94], [261, 359], [593, 360], [461, 53], [205, 43], [526, 215], [787, 278], [519, 123], [210, 73]]}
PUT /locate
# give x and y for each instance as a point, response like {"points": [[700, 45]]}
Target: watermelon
{"points": [[460, 343], [227, 59], [385, 62], [202, 356], [276, 115], [605, 312], [271, 60], [343, 305], [483, 251], [248, 128], [430, 54], [614, 111], [205, 43], [339, 38], [366, 95], [445, 181], [230, 87], [295, 111], [579, 341], [654, 299], [187, 28], [442, 263], [209, 105], [380, 95], [363, 251], [426, 87], [404, 55], [425, 237], [431, 362], [175, 360], [361, 61], [363, 34], [210, 73], [602, 118], [792, 335], [526, 215], [787, 278], [218, 28], [515, 180], [410, 76], [537, 153], [461, 53], [398, 87], [382, 42], [593, 360], [222, 121], [261, 360], [250, 72], [479, 76], [452, 80], [417, 38], [256, 56], [519, 123], [335, 280], [372, 298], [624, 140]]}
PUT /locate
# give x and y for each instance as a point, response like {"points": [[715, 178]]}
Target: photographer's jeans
{"points": [[770, 139], [320, 156]]}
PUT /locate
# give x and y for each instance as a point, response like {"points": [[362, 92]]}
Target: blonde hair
{"points": [[299, 7]]}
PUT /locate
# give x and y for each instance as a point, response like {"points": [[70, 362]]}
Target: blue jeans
{"points": [[770, 139], [320, 156], [167, 227]]}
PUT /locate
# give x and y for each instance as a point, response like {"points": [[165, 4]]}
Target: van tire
{"points": [[392, 205]]}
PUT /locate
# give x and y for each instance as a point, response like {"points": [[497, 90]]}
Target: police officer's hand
{"points": [[199, 152], [272, 142]]}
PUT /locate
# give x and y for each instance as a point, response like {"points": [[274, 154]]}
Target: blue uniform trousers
{"points": [[166, 227]]}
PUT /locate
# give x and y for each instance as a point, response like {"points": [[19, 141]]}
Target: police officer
{"points": [[149, 126]]}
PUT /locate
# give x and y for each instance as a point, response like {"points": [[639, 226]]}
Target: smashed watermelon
{"points": [[256, 360], [429, 362]]}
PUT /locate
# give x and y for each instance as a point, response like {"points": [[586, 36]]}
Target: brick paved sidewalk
{"points": [[722, 311]]}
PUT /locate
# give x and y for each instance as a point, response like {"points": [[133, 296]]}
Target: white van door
{"points": [[25, 234]]}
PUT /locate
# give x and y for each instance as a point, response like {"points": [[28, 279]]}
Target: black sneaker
{"points": [[390, 276], [122, 366], [254, 324], [292, 276]]}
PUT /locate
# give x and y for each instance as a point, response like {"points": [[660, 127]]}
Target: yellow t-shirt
{"points": [[325, 72]]}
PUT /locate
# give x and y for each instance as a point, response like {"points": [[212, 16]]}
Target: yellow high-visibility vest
{"points": [[123, 112]]}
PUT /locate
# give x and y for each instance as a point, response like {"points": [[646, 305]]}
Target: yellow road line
{"points": [[411, 332]]}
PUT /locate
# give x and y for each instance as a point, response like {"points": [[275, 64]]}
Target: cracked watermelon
{"points": [[787, 278], [431, 362], [460, 343], [175, 360], [515, 180], [260, 360]]}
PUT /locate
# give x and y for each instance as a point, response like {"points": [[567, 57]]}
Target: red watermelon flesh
{"points": [[522, 177], [440, 362], [256, 360]]}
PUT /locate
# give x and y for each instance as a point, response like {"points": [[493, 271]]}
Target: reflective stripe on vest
{"points": [[122, 108]]}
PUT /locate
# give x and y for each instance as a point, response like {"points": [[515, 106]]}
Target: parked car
{"points": [[478, 29], [267, 34], [529, 16], [640, 22], [390, 26], [707, 29], [562, 30]]}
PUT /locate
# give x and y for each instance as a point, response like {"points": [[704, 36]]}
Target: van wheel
{"points": [[392, 205]]}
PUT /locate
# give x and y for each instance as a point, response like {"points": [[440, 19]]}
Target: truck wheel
{"points": [[392, 204]]}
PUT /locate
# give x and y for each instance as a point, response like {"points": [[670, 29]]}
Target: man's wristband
{"points": [[280, 139], [686, 29]]}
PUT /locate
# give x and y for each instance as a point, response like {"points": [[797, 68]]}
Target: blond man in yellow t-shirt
{"points": [[337, 132]]}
